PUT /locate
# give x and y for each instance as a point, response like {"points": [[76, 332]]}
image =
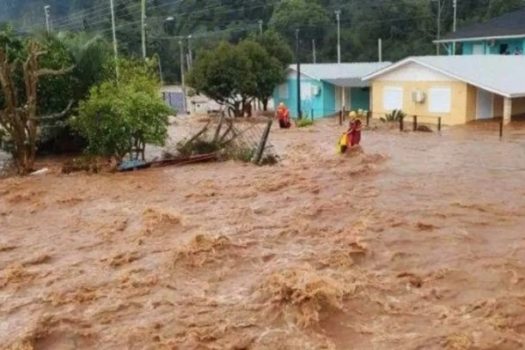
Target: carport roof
{"points": [[499, 74], [341, 74]]}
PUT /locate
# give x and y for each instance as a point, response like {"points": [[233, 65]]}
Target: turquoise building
{"points": [[503, 35], [327, 88]]}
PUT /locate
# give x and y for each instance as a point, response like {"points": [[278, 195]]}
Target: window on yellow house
{"points": [[439, 100]]}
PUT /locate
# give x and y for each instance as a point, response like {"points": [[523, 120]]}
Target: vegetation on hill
{"points": [[407, 27]]}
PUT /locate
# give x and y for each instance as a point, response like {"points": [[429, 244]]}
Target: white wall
{"points": [[414, 72]]}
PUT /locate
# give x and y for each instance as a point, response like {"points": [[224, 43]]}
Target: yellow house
{"points": [[459, 89]]}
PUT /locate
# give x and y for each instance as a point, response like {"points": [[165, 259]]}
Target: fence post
{"points": [[415, 123], [262, 145], [439, 124], [501, 129], [401, 124]]}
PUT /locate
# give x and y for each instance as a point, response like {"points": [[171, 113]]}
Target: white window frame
{"points": [[388, 103], [440, 100], [283, 91], [306, 90]]}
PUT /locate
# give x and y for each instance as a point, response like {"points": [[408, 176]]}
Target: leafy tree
{"points": [[276, 46], [90, 56], [307, 15], [119, 118], [19, 114], [268, 71], [224, 74]]}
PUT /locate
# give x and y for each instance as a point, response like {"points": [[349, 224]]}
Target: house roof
{"points": [[502, 75], [509, 25], [341, 74]]}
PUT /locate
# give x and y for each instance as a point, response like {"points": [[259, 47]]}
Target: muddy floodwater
{"points": [[418, 242]]}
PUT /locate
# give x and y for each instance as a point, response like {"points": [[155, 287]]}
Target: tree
{"points": [[276, 46], [121, 118], [19, 116], [307, 15], [224, 74], [268, 71]]}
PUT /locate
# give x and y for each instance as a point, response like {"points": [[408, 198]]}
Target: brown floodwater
{"points": [[417, 242]]}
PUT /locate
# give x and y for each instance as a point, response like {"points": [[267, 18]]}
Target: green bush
{"points": [[116, 118], [304, 122], [395, 115]]}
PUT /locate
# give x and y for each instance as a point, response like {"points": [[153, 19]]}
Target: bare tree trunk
{"points": [[265, 104], [20, 119]]}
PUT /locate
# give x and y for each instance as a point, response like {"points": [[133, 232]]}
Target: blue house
{"points": [[503, 35], [327, 88]]}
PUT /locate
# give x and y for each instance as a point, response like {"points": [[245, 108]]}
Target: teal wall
{"points": [[324, 103], [320, 105], [329, 107], [360, 99], [512, 44]]}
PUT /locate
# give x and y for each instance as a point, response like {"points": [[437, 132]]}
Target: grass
{"points": [[304, 122]]}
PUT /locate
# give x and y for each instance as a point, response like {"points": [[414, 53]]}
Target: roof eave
{"points": [[451, 75], [480, 38]]}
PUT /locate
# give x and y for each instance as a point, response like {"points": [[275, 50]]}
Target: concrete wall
{"points": [[461, 101], [518, 106], [287, 93], [414, 77], [360, 99]]}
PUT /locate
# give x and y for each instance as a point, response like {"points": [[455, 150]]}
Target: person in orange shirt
{"points": [[283, 115]]}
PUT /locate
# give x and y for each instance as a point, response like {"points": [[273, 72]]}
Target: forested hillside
{"points": [[407, 27]]}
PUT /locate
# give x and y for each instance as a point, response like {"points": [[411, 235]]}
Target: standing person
{"points": [[283, 115], [355, 132]]}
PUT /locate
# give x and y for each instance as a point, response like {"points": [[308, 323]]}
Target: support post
{"points": [[415, 123], [341, 117], [401, 124], [507, 110], [501, 129], [312, 114], [439, 124], [368, 119], [299, 112], [262, 145]]}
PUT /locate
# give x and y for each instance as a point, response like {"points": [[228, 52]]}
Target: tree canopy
{"points": [[407, 27]]}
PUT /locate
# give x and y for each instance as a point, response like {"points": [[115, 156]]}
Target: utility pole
{"points": [[47, 14], [314, 54], [261, 27], [298, 60], [190, 56], [114, 30], [182, 78], [143, 27], [380, 49], [454, 26], [439, 8], [338, 17]]}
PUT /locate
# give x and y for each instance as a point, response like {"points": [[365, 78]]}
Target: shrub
{"points": [[395, 115], [304, 122], [120, 118]]}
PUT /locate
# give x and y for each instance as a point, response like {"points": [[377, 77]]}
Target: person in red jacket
{"points": [[355, 133], [283, 115]]}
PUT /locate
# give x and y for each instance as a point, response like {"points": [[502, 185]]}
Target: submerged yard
{"points": [[416, 243]]}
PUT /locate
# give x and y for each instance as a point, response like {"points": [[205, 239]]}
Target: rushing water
{"points": [[416, 243]]}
